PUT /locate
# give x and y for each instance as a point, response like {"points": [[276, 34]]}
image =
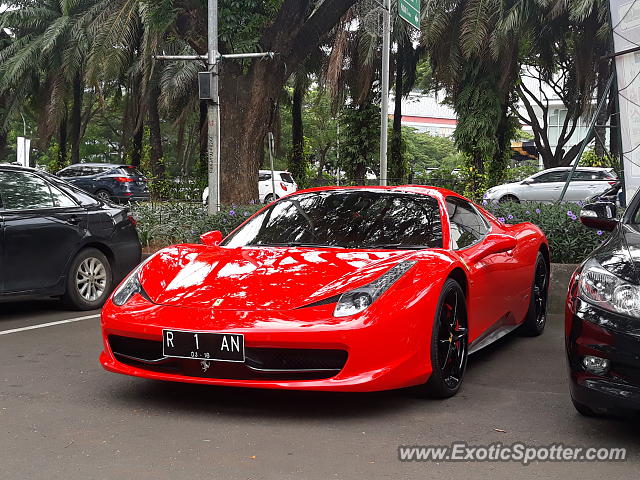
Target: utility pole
{"points": [[210, 91], [213, 111], [384, 107]]}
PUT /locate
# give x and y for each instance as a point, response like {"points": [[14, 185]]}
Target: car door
{"points": [[545, 187], [583, 185], [42, 230], [490, 298]]}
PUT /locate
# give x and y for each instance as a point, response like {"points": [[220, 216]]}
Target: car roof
{"points": [[21, 168], [275, 171], [584, 169], [436, 192], [110, 165]]}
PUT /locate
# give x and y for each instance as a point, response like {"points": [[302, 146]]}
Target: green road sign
{"points": [[409, 10]]}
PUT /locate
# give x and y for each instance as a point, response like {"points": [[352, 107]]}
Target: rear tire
{"points": [[449, 343], [536, 317], [89, 280], [103, 195], [270, 198]]}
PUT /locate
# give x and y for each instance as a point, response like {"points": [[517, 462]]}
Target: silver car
{"points": [[547, 185]]}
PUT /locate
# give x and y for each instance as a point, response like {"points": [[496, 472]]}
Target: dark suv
{"points": [[122, 183]]}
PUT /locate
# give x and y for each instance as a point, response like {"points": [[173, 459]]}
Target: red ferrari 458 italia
{"points": [[344, 289]]}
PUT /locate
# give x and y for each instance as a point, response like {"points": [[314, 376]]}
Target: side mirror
{"points": [[527, 181], [601, 216], [493, 244], [211, 239]]}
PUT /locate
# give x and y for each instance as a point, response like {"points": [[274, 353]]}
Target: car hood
{"points": [[504, 186], [620, 254], [259, 278]]}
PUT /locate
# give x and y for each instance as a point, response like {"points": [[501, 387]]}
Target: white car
{"points": [[284, 185], [547, 185]]}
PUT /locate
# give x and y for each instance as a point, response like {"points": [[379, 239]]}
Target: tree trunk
{"points": [[249, 94], [76, 117], [62, 142], [3, 145], [155, 129], [396, 164], [4, 134], [136, 147], [297, 163]]}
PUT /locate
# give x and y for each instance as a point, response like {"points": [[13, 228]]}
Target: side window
{"points": [[466, 224], [550, 177], [264, 177], [24, 191], [60, 199], [584, 175], [69, 172]]}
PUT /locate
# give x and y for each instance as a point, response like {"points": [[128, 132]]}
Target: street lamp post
{"points": [[210, 91], [384, 107]]}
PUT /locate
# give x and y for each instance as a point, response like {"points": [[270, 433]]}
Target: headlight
{"points": [[129, 288], [602, 288], [360, 299]]}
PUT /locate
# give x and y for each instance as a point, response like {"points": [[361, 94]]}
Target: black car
{"points": [[602, 321], [121, 183], [612, 195], [56, 240]]}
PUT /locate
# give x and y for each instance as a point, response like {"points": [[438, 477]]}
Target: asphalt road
{"points": [[63, 417]]}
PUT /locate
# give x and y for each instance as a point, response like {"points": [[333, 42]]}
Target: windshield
{"points": [[346, 219]]}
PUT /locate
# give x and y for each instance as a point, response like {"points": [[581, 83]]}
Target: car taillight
{"points": [[284, 186], [612, 183], [124, 179], [133, 221]]}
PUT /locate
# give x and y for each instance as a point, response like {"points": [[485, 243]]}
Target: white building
{"points": [[427, 114]]}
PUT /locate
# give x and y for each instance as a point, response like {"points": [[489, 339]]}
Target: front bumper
{"points": [[589, 332], [377, 357]]}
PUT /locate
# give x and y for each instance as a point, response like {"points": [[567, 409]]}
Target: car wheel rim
{"points": [[540, 293], [104, 196], [91, 279], [452, 340]]}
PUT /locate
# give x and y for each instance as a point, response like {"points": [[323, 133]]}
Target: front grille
{"points": [[295, 359], [261, 363]]}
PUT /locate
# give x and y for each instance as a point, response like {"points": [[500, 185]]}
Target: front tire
{"points": [[583, 409], [89, 280], [536, 318], [509, 199], [449, 343]]}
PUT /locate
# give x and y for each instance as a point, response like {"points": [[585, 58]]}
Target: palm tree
{"points": [[51, 44]]}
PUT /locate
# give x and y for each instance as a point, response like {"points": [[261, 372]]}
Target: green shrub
{"points": [[166, 223], [569, 240]]}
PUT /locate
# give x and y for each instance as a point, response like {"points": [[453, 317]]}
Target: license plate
{"points": [[225, 347]]}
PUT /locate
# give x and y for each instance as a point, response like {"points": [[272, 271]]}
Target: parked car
{"points": [[602, 321], [121, 183], [284, 183], [612, 195], [58, 241], [342, 289], [547, 185]]}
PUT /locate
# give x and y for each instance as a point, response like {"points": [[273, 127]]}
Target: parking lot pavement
{"points": [[63, 417]]}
